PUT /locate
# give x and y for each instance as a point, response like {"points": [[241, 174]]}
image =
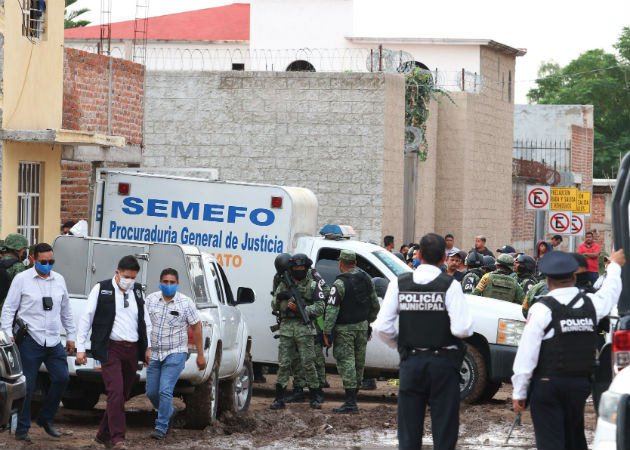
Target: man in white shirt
{"points": [[121, 330], [40, 298], [433, 317], [556, 353]]}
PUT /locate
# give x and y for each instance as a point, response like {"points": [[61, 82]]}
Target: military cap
{"points": [[348, 255], [506, 249], [558, 265], [505, 260], [15, 241]]}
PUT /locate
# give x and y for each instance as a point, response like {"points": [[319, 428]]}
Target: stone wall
{"points": [[338, 134]]}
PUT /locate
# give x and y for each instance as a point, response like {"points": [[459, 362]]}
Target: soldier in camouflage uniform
{"points": [[525, 266], [351, 306], [499, 284], [536, 290], [474, 262], [299, 378], [15, 245], [295, 334]]}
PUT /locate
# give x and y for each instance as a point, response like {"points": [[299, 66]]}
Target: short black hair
{"points": [[589, 232], [449, 235], [432, 247], [68, 224], [42, 247], [169, 271], [557, 237], [388, 240], [129, 262], [581, 260]]}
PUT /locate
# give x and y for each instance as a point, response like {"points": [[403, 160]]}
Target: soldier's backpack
{"points": [[5, 283], [501, 286]]}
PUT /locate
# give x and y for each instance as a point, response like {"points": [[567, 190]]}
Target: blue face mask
{"points": [[416, 262], [168, 289], [43, 269]]}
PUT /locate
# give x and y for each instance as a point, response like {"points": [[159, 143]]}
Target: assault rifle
{"points": [[282, 267]]}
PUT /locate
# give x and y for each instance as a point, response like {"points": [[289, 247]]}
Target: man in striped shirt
{"points": [[171, 314]]}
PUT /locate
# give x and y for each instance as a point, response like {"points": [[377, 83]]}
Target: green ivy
{"points": [[420, 90]]}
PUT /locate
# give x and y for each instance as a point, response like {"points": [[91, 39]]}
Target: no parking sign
{"points": [[560, 222], [538, 198], [577, 224]]}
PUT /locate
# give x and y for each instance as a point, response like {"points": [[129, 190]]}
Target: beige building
{"points": [[31, 138]]}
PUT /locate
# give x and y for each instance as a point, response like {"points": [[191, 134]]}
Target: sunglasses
{"points": [[46, 262], [126, 298]]}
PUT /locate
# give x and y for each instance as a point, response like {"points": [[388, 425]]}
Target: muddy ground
{"points": [[481, 426]]}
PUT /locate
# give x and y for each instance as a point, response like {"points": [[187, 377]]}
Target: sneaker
{"points": [[158, 435], [105, 442]]}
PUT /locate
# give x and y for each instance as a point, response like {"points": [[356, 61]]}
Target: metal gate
{"points": [[28, 200]]}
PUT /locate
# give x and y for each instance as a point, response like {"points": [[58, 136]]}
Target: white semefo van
{"points": [[245, 226]]}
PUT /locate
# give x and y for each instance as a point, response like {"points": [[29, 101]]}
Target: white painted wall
{"points": [[550, 122]]}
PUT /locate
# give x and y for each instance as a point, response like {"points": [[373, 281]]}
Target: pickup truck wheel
{"points": [[474, 376], [492, 387], [236, 393], [201, 405], [86, 402]]}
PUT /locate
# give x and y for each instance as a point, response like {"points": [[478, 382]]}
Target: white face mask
{"points": [[126, 283]]}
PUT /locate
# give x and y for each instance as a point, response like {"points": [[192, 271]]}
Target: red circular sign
{"points": [[538, 198], [559, 222], [576, 224]]}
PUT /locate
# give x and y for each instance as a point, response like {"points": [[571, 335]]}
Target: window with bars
{"points": [[29, 183], [33, 18]]}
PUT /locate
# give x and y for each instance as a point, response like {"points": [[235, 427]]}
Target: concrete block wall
{"points": [[334, 133]]}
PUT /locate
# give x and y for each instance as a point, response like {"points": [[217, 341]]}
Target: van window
{"points": [[197, 279], [328, 267]]}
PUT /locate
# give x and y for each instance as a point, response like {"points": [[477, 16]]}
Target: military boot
{"points": [[351, 403], [278, 403], [296, 397], [317, 398]]}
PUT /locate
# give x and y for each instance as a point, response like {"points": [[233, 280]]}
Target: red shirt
{"points": [[593, 263]]}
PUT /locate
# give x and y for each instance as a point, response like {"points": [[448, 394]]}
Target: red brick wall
{"points": [[75, 178], [85, 95]]}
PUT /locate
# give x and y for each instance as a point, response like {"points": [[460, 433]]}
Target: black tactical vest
{"points": [[423, 318], [355, 306], [571, 350], [104, 321]]}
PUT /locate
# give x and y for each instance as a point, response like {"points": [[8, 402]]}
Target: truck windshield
{"points": [[392, 262]]}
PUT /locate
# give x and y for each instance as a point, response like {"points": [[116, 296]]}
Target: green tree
{"points": [[600, 79], [70, 16]]}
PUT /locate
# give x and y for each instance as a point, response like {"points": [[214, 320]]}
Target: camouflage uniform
{"points": [[350, 339], [526, 280], [509, 289], [535, 291], [295, 335], [470, 280], [14, 269]]}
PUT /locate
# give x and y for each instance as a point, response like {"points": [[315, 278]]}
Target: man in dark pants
{"points": [[121, 327], [556, 353], [433, 315], [40, 298]]}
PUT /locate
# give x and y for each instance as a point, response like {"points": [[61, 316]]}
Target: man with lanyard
{"points": [[433, 316], [121, 331], [40, 298], [351, 306], [556, 353], [171, 314]]}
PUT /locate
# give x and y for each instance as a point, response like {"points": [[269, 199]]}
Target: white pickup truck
{"points": [[247, 225], [226, 383]]}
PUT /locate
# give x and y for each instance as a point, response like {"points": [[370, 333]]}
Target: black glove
{"points": [[284, 295]]}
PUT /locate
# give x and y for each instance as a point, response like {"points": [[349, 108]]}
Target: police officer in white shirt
{"points": [[40, 298], [433, 317], [556, 354]]}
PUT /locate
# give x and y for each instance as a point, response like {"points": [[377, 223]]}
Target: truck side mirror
{"points": [[623, 422], [245, 295]]}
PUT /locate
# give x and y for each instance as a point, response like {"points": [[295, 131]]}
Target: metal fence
{"points": [[279, 60], [547, 161]]}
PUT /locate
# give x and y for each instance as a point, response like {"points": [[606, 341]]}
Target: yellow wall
{"points": [[33, 72], [50, 187]]}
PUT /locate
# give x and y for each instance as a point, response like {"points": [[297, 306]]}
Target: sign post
{"points": [[538, 198]]}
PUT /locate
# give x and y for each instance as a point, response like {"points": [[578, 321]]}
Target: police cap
{"points": [[348, 255], [506, 249], [15, 241], [558, 265]]}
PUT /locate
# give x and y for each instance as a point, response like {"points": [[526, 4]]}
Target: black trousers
{"points": [[428, 379], [557, 406]]}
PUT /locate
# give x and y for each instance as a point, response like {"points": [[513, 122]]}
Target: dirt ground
{"points": [[481, 426]]}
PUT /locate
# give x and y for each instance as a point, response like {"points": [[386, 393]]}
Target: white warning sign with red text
{"points": [[577, 224], [538, 198], [560, 222]]}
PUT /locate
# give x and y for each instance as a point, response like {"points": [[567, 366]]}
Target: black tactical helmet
{"points": [[282, 262], [380, 285], [489, 263], [474, 260], [528, 261], [300, 259]]}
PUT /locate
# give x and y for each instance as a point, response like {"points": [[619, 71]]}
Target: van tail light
{"points": [[191, 342], [620, 350]]}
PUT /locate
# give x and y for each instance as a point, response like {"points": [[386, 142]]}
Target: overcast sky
{"points": [[556, 30]]}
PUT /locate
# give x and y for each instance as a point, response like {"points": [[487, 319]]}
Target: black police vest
{"points": [[103, 321], [423, 318], [571, 350], [355, 306]]}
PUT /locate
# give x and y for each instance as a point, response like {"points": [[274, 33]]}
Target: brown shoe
{"points": [[106, 442], [119, 446]]}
